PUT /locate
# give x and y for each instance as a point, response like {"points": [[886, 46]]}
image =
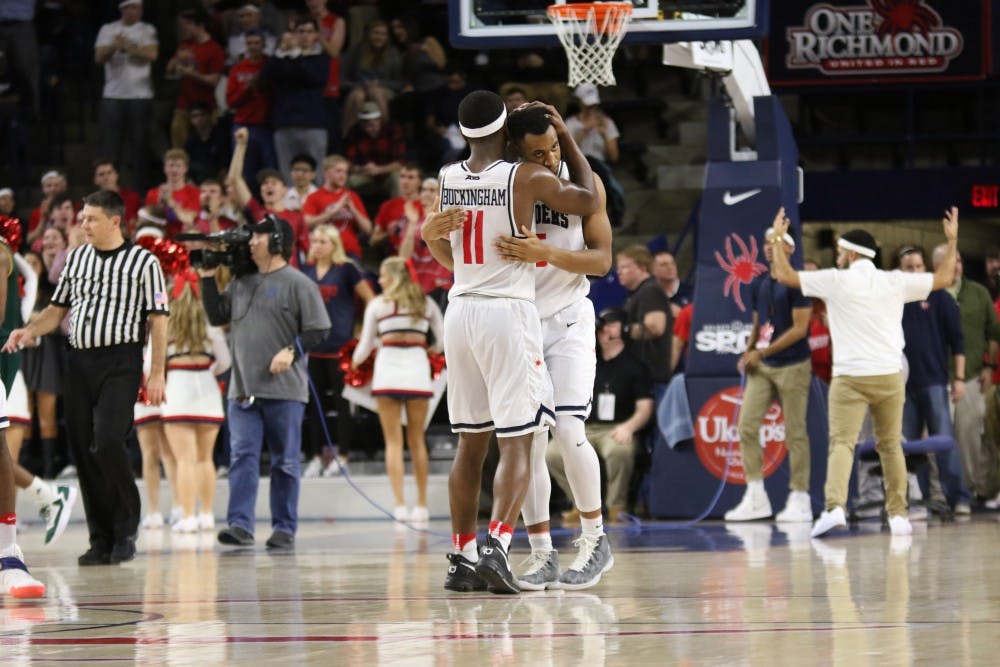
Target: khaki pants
{"points": [[791, 385], [849, 398], [978, 457], [619, 462]]}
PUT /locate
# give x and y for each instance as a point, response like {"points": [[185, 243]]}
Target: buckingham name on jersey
{"points": [[555, 288], [488, 197]]}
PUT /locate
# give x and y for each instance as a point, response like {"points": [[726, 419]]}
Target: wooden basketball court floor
{"points": [[369, 592]]}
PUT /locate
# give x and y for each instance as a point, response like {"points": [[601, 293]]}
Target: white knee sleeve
{"points": [[535, 508], [583, 469]]}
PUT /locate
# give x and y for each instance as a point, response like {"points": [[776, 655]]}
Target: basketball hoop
{"points": [[590, 33]]}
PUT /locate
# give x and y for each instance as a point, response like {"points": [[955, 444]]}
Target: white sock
{"points": [[470, 551], [592, 527], [41, 492], [504, 540], [8, 535], [540, 542]]}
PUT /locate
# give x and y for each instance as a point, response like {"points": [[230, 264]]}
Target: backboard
{"points": [[501, 24]]}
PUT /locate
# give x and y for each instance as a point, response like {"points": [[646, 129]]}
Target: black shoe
{"points": [[123, 551], [280, 540], [94, 556], [236, 536], [494, 567], [462, 575]]}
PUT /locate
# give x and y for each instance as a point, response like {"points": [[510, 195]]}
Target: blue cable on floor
{"points": [[343, 470]]}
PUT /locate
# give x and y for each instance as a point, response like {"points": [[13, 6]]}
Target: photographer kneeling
{"points": [[267, 311]]}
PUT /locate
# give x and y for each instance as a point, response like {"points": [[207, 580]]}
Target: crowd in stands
{"points": [[336, 116]]}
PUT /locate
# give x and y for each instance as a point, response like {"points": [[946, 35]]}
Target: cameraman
{"points": [[267, 313]]}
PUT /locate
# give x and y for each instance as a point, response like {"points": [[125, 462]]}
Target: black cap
{"points": [[609, 315]]}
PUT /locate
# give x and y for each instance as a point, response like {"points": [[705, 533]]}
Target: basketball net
{"points": [[590, 33]]}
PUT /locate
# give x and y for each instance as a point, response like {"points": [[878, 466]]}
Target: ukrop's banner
{"points": [[847, 42]]}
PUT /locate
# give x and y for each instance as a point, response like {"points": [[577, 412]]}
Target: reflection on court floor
{"points": [[363, 593]]}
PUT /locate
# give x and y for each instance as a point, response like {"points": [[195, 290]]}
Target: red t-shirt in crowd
{"points": [[207, 58], [343, 219], [430, 273], [391, 217], [294, 218], [820, 350], [133, 202], [250, 107], [187, 198], [682, 323], [326, 26]]}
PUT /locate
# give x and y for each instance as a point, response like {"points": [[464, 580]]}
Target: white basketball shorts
{"points": [[497, 379], [569, 346]]}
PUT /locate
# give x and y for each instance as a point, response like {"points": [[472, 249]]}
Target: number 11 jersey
{"points": [[488, 199]]}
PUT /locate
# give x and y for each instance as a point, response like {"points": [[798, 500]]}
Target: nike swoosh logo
{"points": [[729, 199], [581, 443], [569, 324]]}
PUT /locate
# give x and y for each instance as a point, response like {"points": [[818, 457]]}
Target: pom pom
{"points": [[11, 231], [173, 257], [438, 364], [355, 377]]}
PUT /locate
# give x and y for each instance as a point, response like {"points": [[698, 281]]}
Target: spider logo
{"points": [[742, 269], [898, 16]]}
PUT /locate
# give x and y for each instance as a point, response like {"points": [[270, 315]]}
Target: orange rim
{"points": [[579, 11]]}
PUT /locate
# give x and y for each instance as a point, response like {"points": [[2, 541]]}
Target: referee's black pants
{"points": [[99, 399]]}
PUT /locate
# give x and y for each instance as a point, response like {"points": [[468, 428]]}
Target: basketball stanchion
{"points": [[590, 33]]}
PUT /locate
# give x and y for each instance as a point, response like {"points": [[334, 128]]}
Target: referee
{"points": [[110, 287]]}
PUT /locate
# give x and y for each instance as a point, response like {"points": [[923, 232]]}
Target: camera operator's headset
{"points": [[277, 242]]}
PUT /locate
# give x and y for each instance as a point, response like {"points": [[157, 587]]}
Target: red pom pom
{"points": [[438, 364], [355, 377], [11, 231], [173, 257]]}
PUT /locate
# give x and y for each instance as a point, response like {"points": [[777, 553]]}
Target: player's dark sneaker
{"points": [[494, 567], [593, 560], [543, 571], [462, 575]]}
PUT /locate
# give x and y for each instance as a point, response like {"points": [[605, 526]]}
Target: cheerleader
{"points": [[401, 318], [192, 412]]}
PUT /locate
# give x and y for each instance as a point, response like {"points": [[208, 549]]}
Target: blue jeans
{"points": [[279, 424], [928, 407]]}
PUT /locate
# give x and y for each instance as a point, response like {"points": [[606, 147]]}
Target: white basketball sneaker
{"points": [[14, 577], [754, 505], [798, 509]]}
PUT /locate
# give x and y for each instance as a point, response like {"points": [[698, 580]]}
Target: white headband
{"points": [[146, 215], [486, 130], [860, 249], [786, 237], [6, 191], [50, 174], [149, 230]]}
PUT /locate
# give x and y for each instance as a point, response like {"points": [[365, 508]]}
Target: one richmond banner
{"points": [[853, 42]]}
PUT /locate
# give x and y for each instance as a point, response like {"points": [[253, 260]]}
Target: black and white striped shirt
{"points": [[109, 294]]}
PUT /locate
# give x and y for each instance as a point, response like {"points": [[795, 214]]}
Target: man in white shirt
{"points": [[127, 49], [865, 309]]}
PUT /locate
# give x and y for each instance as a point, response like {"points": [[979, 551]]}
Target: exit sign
{"points": [[985, 196]]}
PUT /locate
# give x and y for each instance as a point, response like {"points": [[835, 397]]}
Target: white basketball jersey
{"points": [[555, 288], [488, 198]]}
